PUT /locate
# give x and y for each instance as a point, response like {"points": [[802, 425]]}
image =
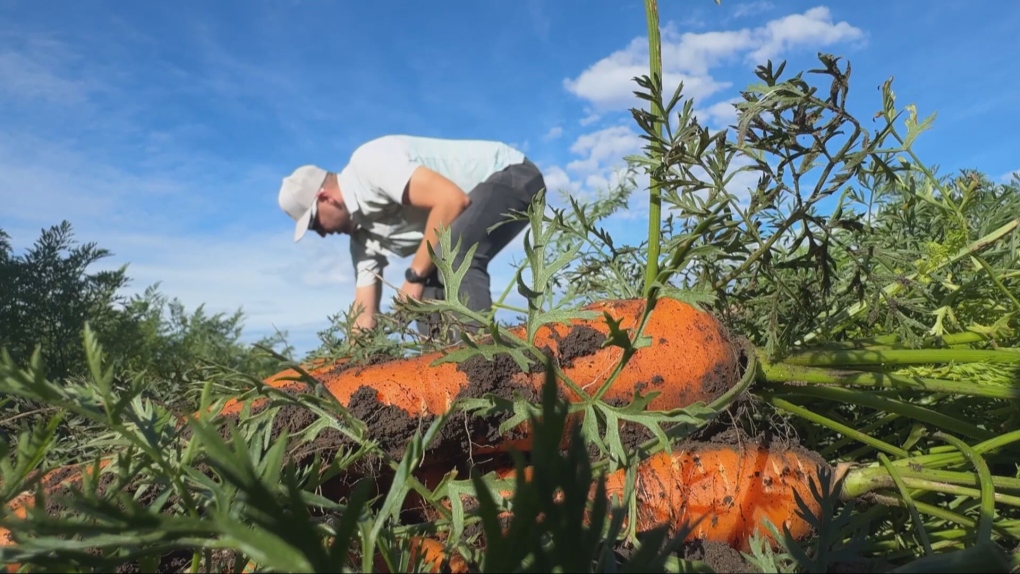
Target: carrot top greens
{"points": [[867, 304]]}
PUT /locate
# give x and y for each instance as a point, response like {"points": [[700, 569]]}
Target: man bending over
{"points": [[393, 195]]}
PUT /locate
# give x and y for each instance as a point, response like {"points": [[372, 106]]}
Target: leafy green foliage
{"points": [[548, 531], [890, 292], [51, 295]]}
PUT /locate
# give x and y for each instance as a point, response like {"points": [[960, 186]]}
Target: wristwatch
{"points": [[412, 276]]}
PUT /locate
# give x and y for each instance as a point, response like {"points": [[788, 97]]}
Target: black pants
{"points": [[492, 202]]}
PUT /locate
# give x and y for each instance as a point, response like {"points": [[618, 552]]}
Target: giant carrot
{"points": [[725, 492], [719, 492], [690, 358]]}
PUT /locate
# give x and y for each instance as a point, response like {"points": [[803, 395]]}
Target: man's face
{"points": [[331, 216]]}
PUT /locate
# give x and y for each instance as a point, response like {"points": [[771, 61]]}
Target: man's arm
{"points": [[444, 201], [366, 304]]}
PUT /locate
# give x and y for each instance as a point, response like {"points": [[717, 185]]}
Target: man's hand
{"points": [[411, 290]]}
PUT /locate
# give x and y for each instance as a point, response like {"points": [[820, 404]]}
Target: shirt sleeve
{"points": [[385, 166], [367, 263]]}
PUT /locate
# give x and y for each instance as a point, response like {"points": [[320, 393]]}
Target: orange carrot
{"points": [[51, 482], [691, 358], [724, 493], [435, 557]]}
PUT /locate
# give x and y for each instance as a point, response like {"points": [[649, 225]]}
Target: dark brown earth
{"points": [[60, 474], [391, 427], [719, 556], [581, 341], [175, 561], [170, 563]]}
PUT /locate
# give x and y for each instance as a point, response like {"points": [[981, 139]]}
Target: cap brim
{"points": [[303, 224]]}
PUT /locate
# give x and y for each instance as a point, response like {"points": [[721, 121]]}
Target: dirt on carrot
{"points": [[392, 426], [724, 491], [388, 425], [173, 562], [493, 377], [59, 475], [581, 341], [720, 557]]}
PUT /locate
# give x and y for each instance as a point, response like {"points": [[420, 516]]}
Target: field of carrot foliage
{"points": [[818, 374]]}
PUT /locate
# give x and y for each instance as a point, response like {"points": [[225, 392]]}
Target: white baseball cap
{"points": [[297, 196]]}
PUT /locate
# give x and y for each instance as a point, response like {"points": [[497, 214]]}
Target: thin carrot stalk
{"points": [[786, 373], [863, 357]]}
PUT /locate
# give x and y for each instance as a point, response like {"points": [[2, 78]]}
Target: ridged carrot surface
{"points": [[724, 493], [691, 358]]}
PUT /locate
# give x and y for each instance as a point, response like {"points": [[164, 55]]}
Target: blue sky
{"points": [[161, 131]]}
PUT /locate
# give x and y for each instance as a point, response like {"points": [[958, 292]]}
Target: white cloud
{"points": [[814, 27], [1010, 176], [553, 133], [608, 84], [697, 52], [689, 57], [589, 119], [751, 8], [601, 147], [718, 115], [557, 181]]}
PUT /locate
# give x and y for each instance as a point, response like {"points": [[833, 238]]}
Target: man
{"points": [[393, 195]]}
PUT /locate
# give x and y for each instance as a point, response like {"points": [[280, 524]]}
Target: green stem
{"points": [[901, 486], [510, 308], [655, 197], [942, 459], [862, 481], [836, 426], [1003, 528], [893, 549], [830, 451], [866, 479], [784, 373], [987, 488], [862, 357], [998, 283], [884, 404], [895, 341]]}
